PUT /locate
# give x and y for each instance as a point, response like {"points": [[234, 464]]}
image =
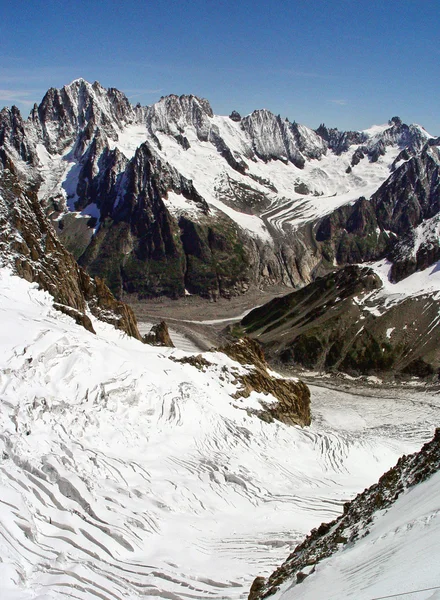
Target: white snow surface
{"points": [[400, 555], [124, 474], [417, 284], [376, 129], [329, 184], [129, 139]]}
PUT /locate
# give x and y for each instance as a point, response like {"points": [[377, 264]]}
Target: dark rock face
{"points": [[235, 116], [13, 137], [340, 141], [337, 323], [412, 193], [29, 244], [141, 248], [353, 524]]}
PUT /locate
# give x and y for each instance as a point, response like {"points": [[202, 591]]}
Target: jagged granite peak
{"points": [[148, 174], [64, 113], [173, 114], [340, 141], [235, 116], [409, 137], [14, 139], [276, 138]]}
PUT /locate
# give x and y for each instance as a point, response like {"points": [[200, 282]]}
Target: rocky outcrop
{"points": [[159, 336], [293, 396], [28, 244], [358, 514]]}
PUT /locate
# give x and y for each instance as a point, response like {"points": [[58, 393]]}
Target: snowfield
{"points": [[125, 474]]}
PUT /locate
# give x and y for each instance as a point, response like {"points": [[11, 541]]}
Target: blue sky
{"points": [[347, 63]]}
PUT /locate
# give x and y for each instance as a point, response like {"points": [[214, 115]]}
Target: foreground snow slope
{"points": [[396, 554], [124, 474]]}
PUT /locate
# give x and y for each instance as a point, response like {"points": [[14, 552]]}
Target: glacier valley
{"points": [[126, 474]]}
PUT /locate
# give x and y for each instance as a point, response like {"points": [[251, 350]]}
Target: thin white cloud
{"points": [[18, 96], [305, 74], [339, 102], [135, 93]]}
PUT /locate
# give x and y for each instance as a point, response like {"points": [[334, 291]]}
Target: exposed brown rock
{"points": [[80, 318], [293, 407], [256, 588], [159, 336], [30, 245], [196, 360]]}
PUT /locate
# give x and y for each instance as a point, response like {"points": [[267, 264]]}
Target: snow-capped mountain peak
{"points": [[64, 113], [256, 180]]}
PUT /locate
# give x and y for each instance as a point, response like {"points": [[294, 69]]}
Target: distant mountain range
{"points": [[171, 199]]}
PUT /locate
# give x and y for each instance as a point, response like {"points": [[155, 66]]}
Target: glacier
{"points": [[126, 474]]}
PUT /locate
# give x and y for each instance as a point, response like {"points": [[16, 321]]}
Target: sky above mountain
{"points": [[346, 63]]}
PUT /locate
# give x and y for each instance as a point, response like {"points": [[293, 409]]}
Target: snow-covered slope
{"points": [[124, 473], [400, 555], [384, 546]]}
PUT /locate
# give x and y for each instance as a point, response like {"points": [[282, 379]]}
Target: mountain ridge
{"points": [[116, 457], [83, 138]]}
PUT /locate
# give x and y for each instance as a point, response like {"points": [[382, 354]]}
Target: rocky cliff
{"points": [[293, 396], [30, 246]]}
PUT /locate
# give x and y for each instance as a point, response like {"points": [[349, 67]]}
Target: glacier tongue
{"points": [[126, 474]]}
